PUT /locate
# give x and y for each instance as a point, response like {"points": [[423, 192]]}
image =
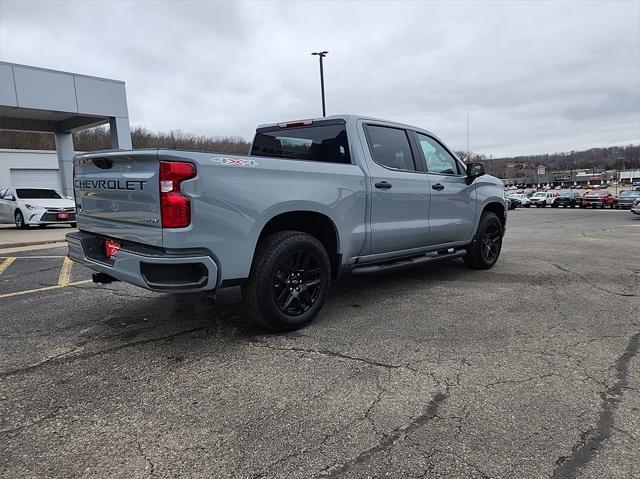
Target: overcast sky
{"points": [[536, 77]]}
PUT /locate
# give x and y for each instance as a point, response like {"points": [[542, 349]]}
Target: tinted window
{"points": [[326, 143], [35, 194], [390, 147], [437, 158]]}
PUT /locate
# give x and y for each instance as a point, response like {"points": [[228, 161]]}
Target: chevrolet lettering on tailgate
{"points": [[129, 185]]}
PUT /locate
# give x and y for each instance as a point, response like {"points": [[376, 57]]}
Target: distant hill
{"points": [[608, 158], [599, 159], [100, 139]]}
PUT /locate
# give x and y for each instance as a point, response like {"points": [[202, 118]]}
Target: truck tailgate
{"points": [[118, 196]]}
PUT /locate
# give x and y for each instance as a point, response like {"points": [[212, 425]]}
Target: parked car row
{"points": [[520, 188], [573, 199]]}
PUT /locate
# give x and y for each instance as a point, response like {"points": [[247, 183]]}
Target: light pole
{"points": [[321, 55]]}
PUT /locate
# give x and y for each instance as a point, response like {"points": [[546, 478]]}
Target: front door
{"points": [[452, 213], [399, 192]]}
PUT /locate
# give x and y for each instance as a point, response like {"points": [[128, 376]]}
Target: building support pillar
{"points": [[64, 148], [120, 133]]}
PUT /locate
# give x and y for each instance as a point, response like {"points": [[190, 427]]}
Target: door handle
{"points": [[383, 185], [438, 187]]}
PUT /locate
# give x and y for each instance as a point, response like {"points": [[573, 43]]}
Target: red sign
{"points": [[111, 248]]}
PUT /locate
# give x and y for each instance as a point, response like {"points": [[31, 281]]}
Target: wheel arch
{"points": [[314, 223], [499, 209]]}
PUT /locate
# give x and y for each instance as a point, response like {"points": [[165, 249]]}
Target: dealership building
{"points": [[34, 168], [49, 101]]}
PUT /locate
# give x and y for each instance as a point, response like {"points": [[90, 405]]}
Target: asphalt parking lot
{"points": [[529, 370]]}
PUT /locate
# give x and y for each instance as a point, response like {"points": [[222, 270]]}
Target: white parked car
{"points": [[36, 206], [543, 198], [522, 198]]}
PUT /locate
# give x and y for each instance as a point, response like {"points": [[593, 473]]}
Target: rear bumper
{"points": [[153, 270]]}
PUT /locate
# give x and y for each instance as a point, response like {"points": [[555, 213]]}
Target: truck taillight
{"points": [[175, 207]]}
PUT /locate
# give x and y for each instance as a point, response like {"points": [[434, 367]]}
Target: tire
{"points": [[282, 261], [478, 256], [73, 225], [19, 220]]}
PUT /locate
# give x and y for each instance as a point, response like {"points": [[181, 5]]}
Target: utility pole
{"points": [[321, 55]]}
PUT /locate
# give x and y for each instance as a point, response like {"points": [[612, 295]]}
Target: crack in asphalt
{"points": [[151, 465], [32, 423], [520, 381], [391, 438], [60, 358], [590, 441], [328, 436], [332, 354], [586, 280]]}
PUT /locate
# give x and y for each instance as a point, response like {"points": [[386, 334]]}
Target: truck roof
{"points": [[348, 118]]}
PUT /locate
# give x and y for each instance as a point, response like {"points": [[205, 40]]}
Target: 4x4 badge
{"points": [[235, 161]]}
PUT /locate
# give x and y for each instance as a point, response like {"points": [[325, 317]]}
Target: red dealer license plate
{"points": [[63, 216], [111, 248]]}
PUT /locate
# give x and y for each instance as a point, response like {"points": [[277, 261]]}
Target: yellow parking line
{"points": [[19, 293], [6, 263], [65, 272]]}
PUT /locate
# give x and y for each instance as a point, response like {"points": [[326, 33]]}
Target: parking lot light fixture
{"points": [[321, 55]]}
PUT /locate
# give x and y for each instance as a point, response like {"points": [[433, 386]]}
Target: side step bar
{"points": [[406, 262]]}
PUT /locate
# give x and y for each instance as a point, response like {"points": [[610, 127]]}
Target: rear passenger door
{"points": [[399, 191], [452, 213]]}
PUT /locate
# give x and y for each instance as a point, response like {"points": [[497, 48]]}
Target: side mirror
{"points": [[10, 198], [474, 170]]}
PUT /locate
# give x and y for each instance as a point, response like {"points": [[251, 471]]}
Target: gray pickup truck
{"points": [[313, 199]]}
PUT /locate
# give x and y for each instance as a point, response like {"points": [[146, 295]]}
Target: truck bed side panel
{"points": [[233, 200]]}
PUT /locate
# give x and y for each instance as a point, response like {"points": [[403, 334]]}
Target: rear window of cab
{"points": [[316, 142]]}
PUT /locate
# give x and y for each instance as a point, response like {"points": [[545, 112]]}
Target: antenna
{"points": [[468, 150]]}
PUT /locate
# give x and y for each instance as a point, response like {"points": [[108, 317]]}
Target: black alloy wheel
{"points": [[297, 282], [491, 242], [483, 253], [289, 280]]}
